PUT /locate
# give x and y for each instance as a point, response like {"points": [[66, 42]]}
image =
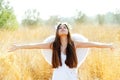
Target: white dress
{"points": [[64, 72]]}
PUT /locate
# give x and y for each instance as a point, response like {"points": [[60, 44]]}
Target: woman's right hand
{"points": [[13, 48]]}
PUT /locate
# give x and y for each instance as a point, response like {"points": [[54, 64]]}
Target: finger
{"points": [[10, 50]]}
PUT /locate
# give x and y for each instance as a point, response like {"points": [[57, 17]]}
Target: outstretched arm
{"points": [[30, 46], [92, 45]]}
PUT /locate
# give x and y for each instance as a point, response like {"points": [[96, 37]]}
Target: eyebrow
{"points": [[63, 26]]}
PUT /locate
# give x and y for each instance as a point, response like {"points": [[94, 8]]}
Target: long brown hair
{"points": [[71, 59]]}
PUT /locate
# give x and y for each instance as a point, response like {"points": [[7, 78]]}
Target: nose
{"points": [[63, 29]]}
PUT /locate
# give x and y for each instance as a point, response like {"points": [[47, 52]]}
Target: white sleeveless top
{"points": [[80, 52], [64, 72]]}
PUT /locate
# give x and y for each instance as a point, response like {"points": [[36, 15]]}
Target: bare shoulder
{"points": [[77, 43], [48, 45]]}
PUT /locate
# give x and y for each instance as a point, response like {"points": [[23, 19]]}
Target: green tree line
{"points": [[7, 18], [32, 18]]}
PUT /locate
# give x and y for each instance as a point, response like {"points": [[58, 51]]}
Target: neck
{"points": [[63, 40]]}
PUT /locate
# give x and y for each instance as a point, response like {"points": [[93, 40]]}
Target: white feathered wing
{"points": [[81, 52]]}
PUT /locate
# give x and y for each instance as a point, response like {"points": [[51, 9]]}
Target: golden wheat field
{"points": [[100, 64]]}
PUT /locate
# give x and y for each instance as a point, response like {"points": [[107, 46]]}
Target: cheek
{"points": [[59, 33], [66, 31]]}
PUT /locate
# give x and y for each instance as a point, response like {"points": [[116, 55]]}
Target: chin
{"points": [[63, 34]]}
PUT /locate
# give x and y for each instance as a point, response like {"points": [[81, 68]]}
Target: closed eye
{"points": [[59, 28], [62, 27]]}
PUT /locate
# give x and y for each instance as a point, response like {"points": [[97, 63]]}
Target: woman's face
{"points": [[62, 30]]}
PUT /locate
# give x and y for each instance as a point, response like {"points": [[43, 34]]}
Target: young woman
{"points": [[64, 57]]}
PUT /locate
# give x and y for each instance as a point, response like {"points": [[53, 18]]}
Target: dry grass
{"points": [[101, 64]]}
